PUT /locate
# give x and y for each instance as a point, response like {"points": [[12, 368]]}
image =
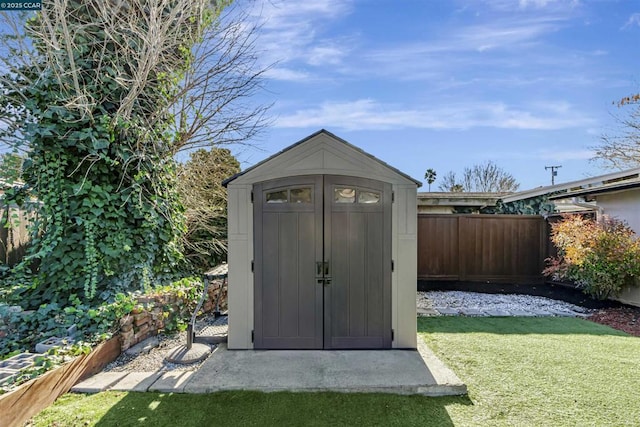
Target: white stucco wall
{"points": [[624, 205]]}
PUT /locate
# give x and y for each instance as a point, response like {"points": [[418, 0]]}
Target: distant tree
{"points": [[450, 183], [484, 177], [10, 167], [430, 176], [205, 202], [620, 149]]}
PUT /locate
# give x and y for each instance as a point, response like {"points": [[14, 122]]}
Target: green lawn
{"points": [[520, 372]]}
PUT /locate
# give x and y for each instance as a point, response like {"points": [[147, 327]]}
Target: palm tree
{"points": [[430, 176]]}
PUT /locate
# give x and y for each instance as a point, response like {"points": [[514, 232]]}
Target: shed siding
{"points": [[322, 154], [405, 257], [240, 292]]}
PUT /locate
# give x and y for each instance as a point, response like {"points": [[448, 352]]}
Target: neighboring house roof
{"points": [[572, 186], [310, 137], [460, 199], [588, 193]]}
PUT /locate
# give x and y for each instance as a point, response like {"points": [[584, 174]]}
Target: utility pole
{"points": [[554, 172]]}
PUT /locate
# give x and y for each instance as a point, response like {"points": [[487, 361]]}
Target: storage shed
{"points": [[322, 250]]}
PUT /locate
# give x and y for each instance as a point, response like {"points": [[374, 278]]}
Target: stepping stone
{"points": [[498, 313], [446, 311], [473, 312], [522, 313], [143, 347], [99, 382], [426, 312], [562, 313], [137, 381], [541, 313], [171, 382]]}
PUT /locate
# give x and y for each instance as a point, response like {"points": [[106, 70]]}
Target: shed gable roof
{"points": [[321, 153]]}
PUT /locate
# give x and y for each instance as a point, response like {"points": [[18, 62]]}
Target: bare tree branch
{"points": [[621, 148]]}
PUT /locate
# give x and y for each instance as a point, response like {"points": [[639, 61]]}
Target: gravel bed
{"points": [[153, 360], [511, 302]]}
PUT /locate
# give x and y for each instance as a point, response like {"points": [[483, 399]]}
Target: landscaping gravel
{"points": [[153, 360], [428, 303], [508, 304]]}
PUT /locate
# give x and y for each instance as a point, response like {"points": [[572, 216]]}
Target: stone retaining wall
{"points": [[155, 313]]}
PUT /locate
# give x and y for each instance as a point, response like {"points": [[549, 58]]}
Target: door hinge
{"points": [[392, 335], [252, 266], [393, 197], [253, 335], [393, 266]]}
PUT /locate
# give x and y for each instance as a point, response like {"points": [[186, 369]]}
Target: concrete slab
{"points": [[99, 382], [137, 381], [213, 334], [522, 313], [446, 311], [143, 346], [563, 313], [427, 312], [172, 382], [473, 312], [388, 371], [498, 313], [541, 313]]}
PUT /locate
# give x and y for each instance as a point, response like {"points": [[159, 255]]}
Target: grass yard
{"points": [[520, 372]]}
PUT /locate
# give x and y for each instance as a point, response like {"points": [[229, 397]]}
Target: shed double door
{"points": [[322, 263]]}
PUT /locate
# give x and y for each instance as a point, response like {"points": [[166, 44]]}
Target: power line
{"points": [[554, 172]]}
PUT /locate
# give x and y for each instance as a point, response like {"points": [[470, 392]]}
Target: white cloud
{"points": [[367, 114], [633, 21], [523, 5], [282, 73], [321, 55], [564, 155], [291, 35]]}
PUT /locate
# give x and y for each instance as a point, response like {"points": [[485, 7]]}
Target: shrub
{"points": [[600, 257]]}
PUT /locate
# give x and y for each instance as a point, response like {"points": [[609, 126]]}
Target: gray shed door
{"points": [[322, 263]]}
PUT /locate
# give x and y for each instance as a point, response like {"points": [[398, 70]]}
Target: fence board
{"points": [[14, 233], [506, 248]]}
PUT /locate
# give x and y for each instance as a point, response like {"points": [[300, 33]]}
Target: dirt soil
{"points": [[625, 319]]}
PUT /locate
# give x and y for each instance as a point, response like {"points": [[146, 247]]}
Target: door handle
{"points": [[322, 269], [325, 281]]}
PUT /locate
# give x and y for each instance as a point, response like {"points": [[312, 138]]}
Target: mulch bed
{"points": [[625, 319]]}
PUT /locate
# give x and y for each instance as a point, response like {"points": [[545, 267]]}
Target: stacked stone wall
{"points": [[154, 314]]}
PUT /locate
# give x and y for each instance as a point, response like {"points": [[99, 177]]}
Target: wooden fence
{"points": [[14, 235], [497, 248]]}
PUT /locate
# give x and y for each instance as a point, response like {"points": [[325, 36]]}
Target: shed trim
{"points": [[302, 141]]}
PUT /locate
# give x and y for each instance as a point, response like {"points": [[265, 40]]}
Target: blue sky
{"points": [[445, 84]]}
